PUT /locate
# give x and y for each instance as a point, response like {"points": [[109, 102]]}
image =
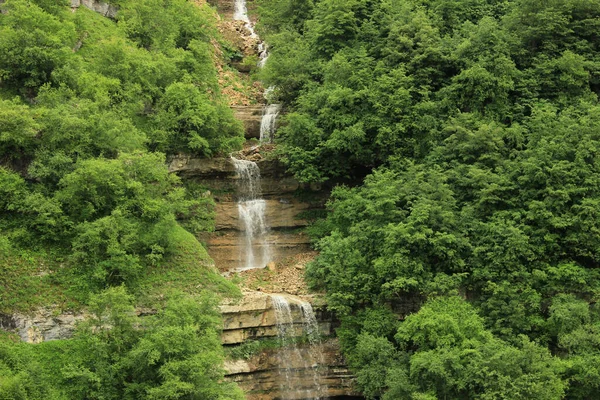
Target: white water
{"points": [[299, 368], [268, 123], [240, 13], [256, 252], [263, 54]]}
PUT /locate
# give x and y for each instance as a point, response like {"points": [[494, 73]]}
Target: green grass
{"points": [[32, 279], [28, 281], [190, 269]]}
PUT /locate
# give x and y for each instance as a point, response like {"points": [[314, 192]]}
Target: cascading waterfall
{"points": [[263, 54], [268, 122], [271, 112], [299, 367], [240, 13], [256, 252]]}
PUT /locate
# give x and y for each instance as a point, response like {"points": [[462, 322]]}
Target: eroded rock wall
{"points": [[43, 325], [260, 375], [107, 10], [285, 212]]}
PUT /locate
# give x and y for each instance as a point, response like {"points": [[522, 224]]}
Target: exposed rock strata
{"points": [[225, 247], [219, 175], [284, 212], [43, 325], [260, 379], [105, 9], [254, 318], [280, 213], [250, 116]]}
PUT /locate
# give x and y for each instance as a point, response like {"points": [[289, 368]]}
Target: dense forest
{"points": [[470, 133], [89, 214]]}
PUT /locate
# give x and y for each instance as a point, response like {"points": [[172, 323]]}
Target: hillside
{"points": [[457, 142], [474, 127], [93, 98]]}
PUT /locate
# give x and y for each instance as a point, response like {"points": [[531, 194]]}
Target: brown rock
{"points": [[278, 213], [261, 377], [250, 117], [225, 247]]}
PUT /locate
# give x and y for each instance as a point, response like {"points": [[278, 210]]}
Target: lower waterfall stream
{"points": [[299, 365]]}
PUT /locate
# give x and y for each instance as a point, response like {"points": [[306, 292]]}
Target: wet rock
{"points": [[278, 215], [260, 376]]}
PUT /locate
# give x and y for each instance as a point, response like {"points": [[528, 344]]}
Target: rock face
{"points": [[225, 246], [226, 8], [251, 117], [107, 10], [260, 376], [42, 326], [219, 175], [284, 212]]}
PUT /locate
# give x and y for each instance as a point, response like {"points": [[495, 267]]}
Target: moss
{"points": [[189, 269], [30, 279]]}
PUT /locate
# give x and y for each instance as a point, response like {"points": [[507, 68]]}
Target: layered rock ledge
{"points": [[260, 375], [284, 212]]}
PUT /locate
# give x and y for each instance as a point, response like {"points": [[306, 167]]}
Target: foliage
{"points": [[81, 168], [90, 110], [174, 354], [116, 354], [370, 80], [23, 377], [469, 133]]}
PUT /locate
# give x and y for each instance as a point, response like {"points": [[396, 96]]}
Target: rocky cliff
{"points": [[253, 320], [259, 374], [42, 325], [285, 213], [107, 10]]}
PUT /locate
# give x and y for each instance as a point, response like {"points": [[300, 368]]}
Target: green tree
{"points": [[174, 354], [32, 44]]}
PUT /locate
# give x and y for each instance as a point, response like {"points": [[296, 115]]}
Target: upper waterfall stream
{"points": [[270, 112], [268, 123], [241, 14]]}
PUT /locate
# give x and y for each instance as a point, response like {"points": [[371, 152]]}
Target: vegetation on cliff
{"points": [[90, 216], [476, 124]]}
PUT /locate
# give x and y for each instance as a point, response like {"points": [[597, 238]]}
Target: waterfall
{"points": [[268, 122], [263, 54], [299, 367], [256, 252], [240, 13]]}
